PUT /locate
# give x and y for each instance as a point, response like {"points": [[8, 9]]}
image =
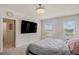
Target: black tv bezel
{"points": [[29, 22]]}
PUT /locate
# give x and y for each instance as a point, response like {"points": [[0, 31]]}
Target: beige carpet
{"points": [[14, 51]]}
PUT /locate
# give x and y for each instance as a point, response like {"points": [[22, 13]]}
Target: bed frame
{"points": [[32, 53], [29, 52]]}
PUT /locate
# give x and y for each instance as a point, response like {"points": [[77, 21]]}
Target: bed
{"points": [[49, 46]]}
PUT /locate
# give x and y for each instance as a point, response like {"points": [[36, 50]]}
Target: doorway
{"points": [[8, 33]]}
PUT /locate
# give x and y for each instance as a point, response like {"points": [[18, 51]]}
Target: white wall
{"points": [[1, 32], [21, 39]]}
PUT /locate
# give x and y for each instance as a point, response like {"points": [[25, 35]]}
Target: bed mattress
{"points": [[50, 46]]}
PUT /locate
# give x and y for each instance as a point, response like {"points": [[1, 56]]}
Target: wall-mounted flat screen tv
{"points": [[28, 27]]}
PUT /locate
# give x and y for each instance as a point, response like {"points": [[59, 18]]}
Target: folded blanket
{"points": [[74, 45]]}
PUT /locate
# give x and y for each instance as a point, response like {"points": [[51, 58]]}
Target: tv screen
{"points": [[28, 27]]}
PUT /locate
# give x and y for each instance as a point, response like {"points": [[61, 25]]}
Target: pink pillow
{"points": [[74, 45]]}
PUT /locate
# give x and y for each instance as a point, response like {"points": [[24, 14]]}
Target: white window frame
{"points": [[74, 28]]}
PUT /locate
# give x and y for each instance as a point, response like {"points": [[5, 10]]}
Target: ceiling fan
{"points": [[40, 9]]}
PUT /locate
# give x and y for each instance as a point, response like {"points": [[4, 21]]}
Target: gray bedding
{"points": [[49, 46]]}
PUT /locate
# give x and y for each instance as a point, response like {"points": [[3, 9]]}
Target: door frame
{"points": [[14, 30]]}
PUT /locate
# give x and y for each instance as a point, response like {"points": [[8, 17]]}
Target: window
{"points": [[48, 28], [48, 25], [69, 28]]}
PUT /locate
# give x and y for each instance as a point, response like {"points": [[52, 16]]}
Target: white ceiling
{"points": [[52, 10]]}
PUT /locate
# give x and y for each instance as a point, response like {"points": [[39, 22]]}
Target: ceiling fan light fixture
{"points": [[40, 10]]}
